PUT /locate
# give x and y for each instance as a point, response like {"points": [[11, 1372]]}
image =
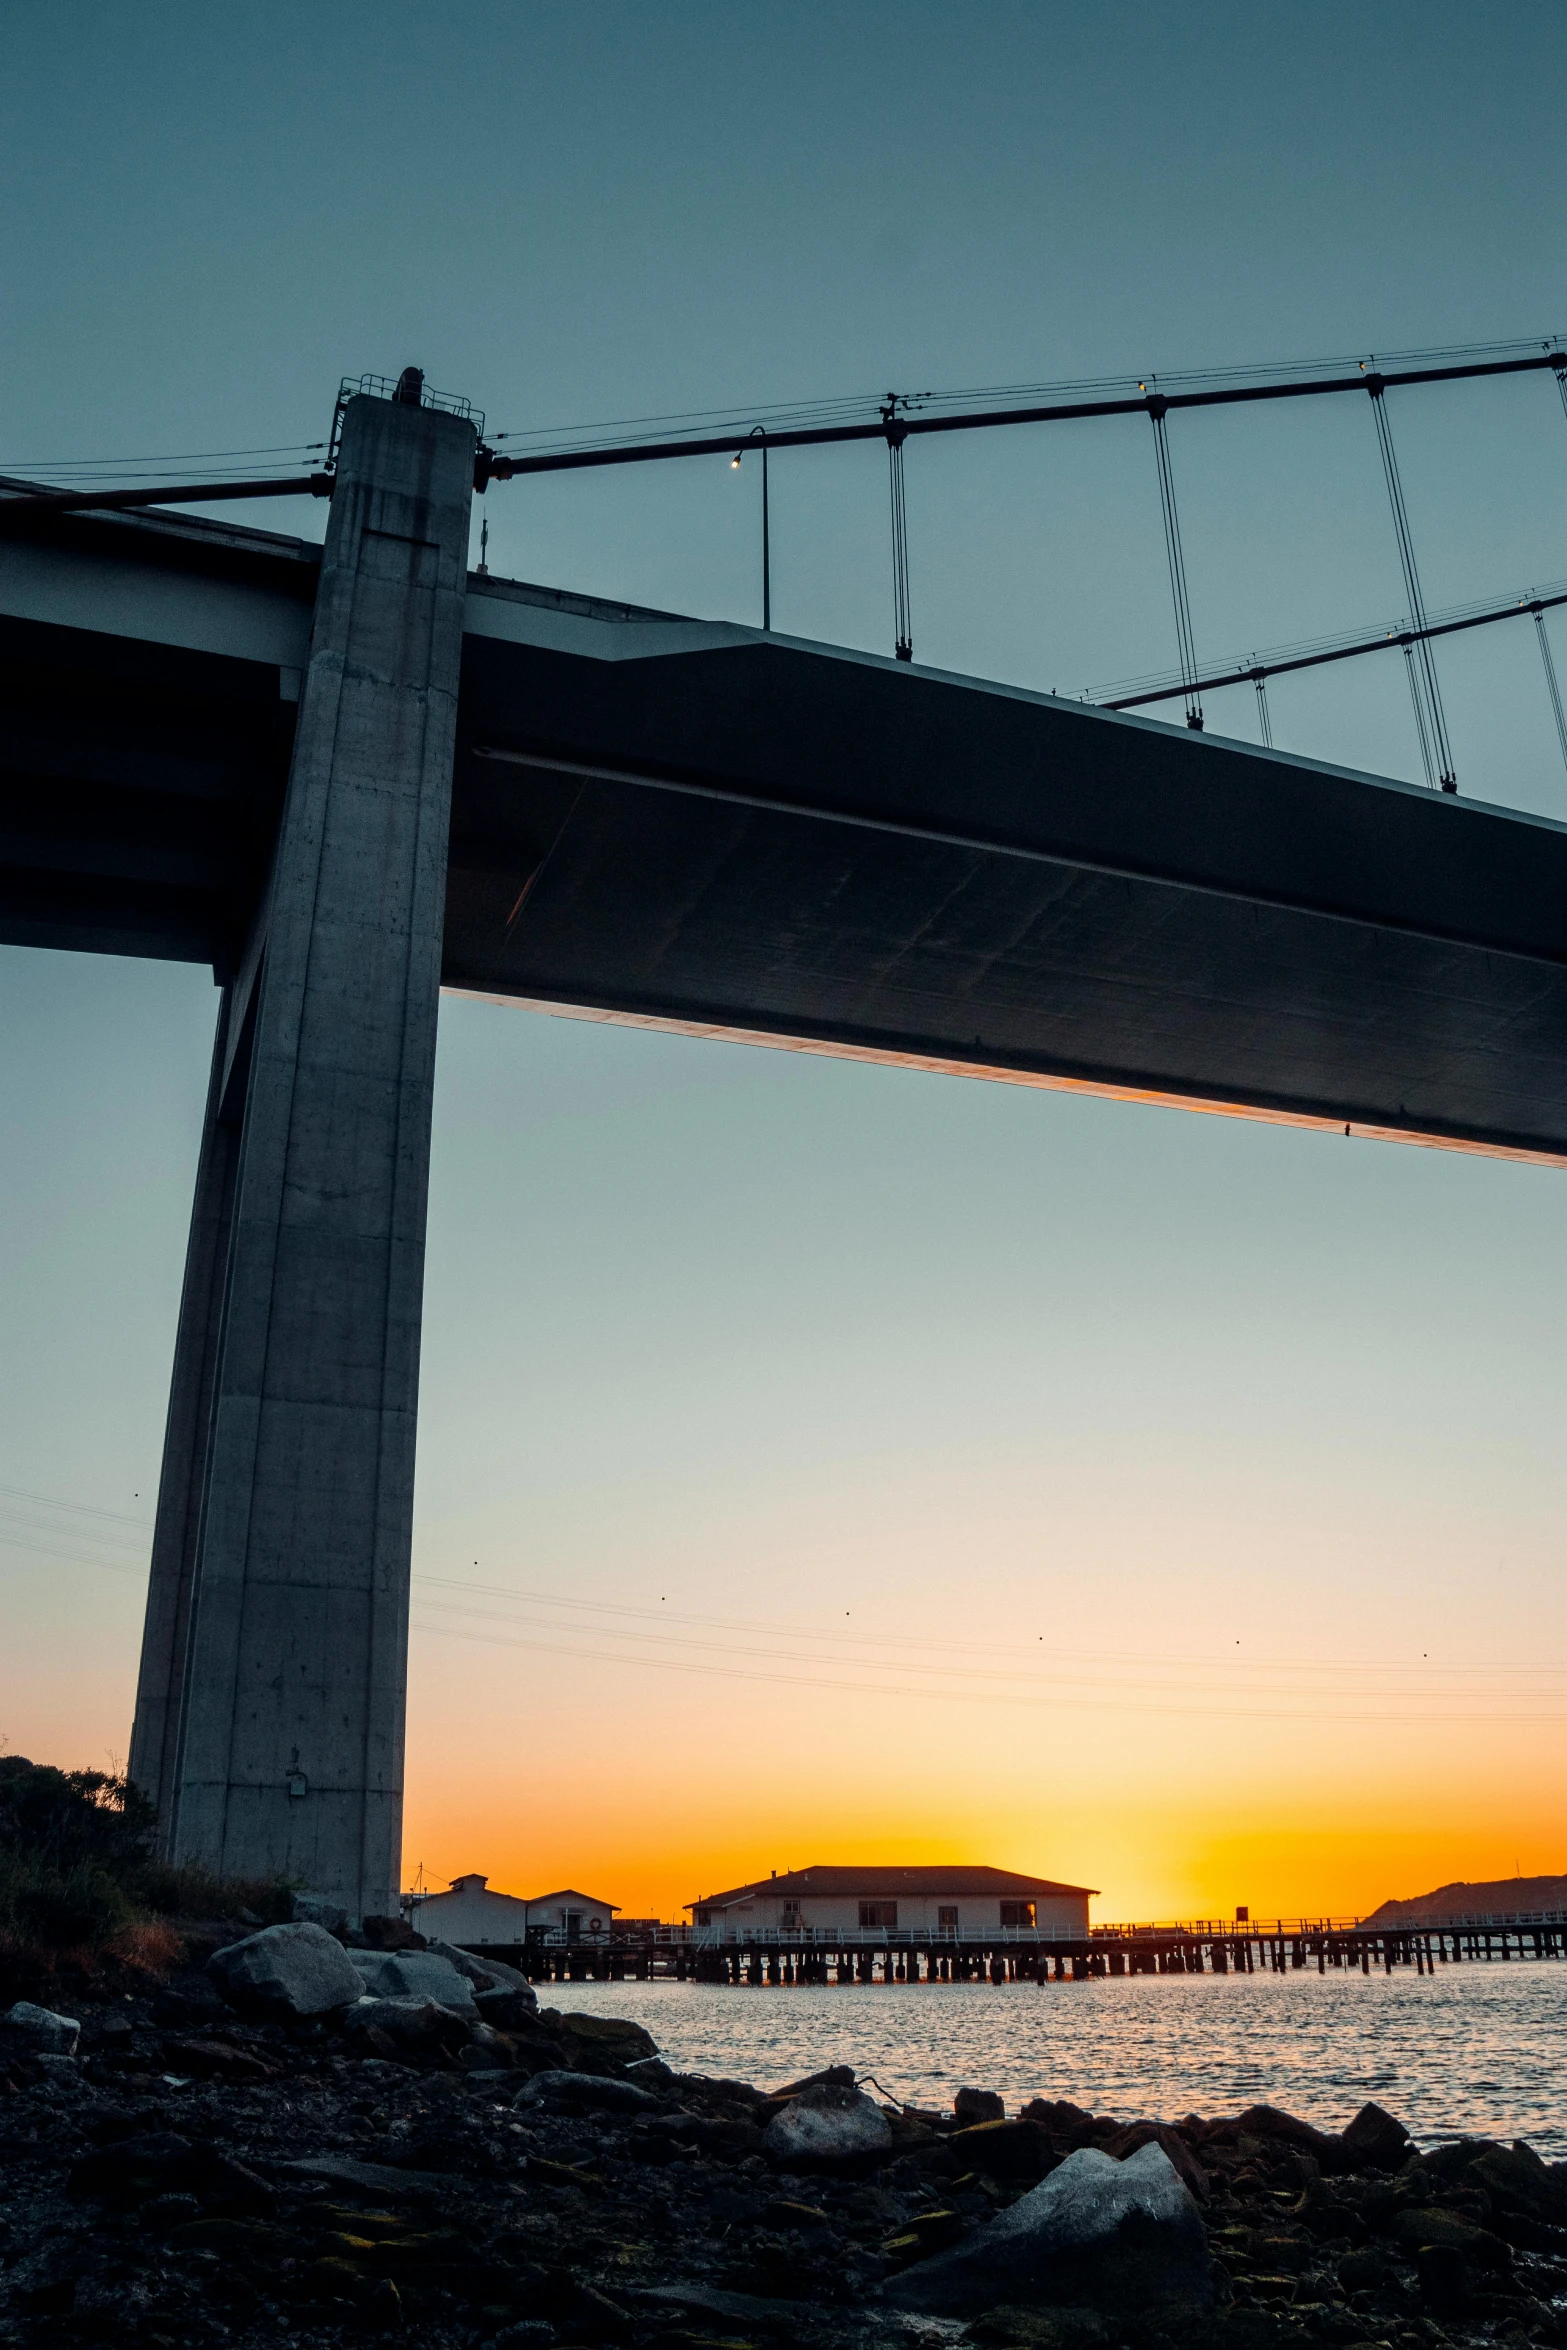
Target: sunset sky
{"points": [[821, 1462]]}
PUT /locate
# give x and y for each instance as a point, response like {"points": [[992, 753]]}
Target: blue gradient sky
{"points": [[1255, 1434]]}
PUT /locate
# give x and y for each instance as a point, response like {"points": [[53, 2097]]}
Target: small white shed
{"points": [[575, 1917], [471, 1915]]}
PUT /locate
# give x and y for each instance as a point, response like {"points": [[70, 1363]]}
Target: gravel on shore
{"points": [[197, 2175]]}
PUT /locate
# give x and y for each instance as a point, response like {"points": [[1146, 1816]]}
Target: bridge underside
{"points": [[696, 826], [693, 825], [768, 839]]}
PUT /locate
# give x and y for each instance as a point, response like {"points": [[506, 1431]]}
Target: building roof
{"points": [[569, 1893], [884, 1884], [473, 1887]]}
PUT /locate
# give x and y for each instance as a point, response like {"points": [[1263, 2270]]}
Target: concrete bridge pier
{"points": [[269, 1711]]}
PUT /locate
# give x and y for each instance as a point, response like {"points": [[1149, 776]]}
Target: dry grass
{"points": [[81, 1896], [155, 1948]]}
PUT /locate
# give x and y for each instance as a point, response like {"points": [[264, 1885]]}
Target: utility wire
{"points": [[1045, 1701], [77, 1509], [837, 1638]]}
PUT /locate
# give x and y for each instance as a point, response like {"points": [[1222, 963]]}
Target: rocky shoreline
{"points": [[292, 2142]]}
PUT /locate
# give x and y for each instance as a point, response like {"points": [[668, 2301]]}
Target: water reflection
{"points": [[1475, 2049]]}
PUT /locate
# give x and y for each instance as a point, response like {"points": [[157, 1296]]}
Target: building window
{"points": [[1017, 1913], [877, 1913], [791, 1917], [947, 1921]]}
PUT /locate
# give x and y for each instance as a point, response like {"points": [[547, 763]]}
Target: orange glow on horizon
{"points": [[651, 1847]]}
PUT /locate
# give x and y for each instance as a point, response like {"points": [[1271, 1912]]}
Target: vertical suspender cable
{"points": [[903, 635], [1560, 372], [1177, 563], [767, 547], [1421, 728], [758, 433], [1437, 752], [1551, 686], [1263, 720]]}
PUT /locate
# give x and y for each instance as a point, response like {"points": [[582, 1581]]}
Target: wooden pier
{"points": [[1197, 1948]]}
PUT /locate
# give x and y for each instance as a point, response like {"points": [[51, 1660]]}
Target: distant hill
{"points": [[1499, 1896]]}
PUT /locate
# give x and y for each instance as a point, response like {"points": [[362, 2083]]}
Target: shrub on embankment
{"points": [[80, 1889]]}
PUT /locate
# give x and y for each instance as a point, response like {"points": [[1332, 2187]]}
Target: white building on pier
{"points": [[942, 1904]]}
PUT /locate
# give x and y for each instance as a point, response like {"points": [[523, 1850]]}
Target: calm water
{"points": [[1476, 2049]]}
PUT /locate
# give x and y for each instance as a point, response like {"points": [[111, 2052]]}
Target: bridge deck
{"points": [[693, 825]]}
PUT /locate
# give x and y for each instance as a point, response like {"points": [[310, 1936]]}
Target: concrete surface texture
{"points": [[270, 1711]]}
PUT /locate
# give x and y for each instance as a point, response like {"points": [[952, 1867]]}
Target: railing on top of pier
{"points": [[869, 1937], [1222, 1929], [946, 1938], [879, 1937], [1471, 1922], [1139, 1932]]}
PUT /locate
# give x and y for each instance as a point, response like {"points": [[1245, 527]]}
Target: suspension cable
{"points": [[1177, 562], [1437, 752], [784, 435], [895, 430], [1316, 655], [1551, 686]]}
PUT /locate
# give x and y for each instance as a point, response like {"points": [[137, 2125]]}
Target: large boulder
{"points": [[978, 2105], [508, 2011], [1070, 2125], [485, 1974], [378, 1932], [1277, 2128], [836, 2076], [598, 2043], [1185, 2163], [418, 2030], [287, 1970], [412, 1974], [42, 2031], [1417, 2231], [827, 2127], [319, 1909], [1518, 2182], [1375, 2140], [1123, 2237]]}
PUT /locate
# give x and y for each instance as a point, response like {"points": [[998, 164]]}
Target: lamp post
{"points": [[759, 433]]}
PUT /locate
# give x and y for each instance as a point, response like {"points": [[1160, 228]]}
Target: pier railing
{"points": [[870, 1937], [1156, 1933]]}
